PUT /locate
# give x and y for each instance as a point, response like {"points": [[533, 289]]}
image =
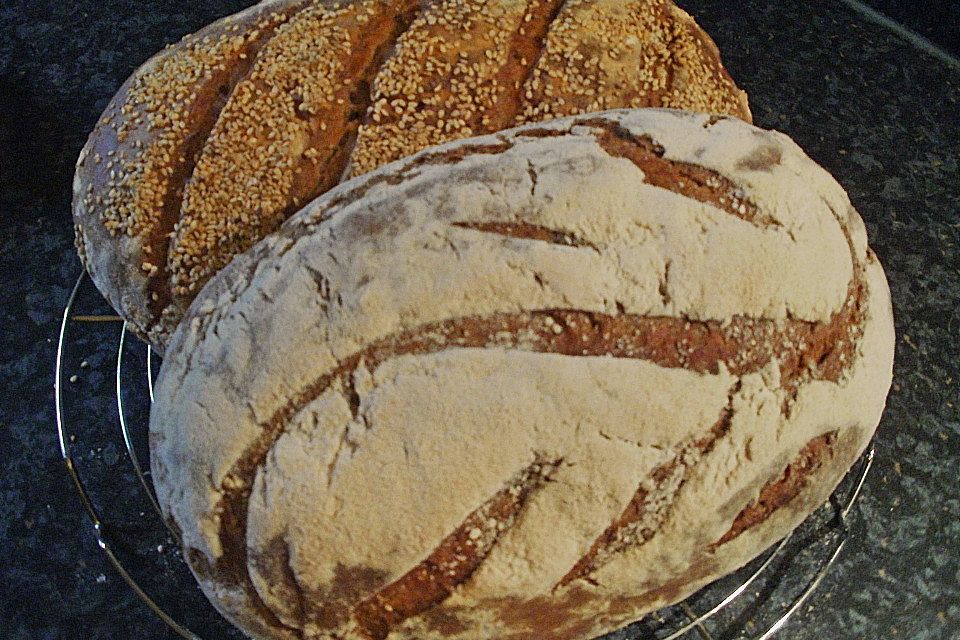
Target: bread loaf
{"points": [[523, 386], [215, 141]]}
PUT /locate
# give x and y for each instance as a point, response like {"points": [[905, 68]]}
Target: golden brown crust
{"points": [[219, 139], [131, 174], [609, 54], [706, 81], [284, 135], [441, 81]]}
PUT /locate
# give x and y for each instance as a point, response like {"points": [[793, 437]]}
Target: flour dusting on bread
{"points": [[530, 385]]}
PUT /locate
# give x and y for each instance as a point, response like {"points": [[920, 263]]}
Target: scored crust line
{"points": [[651, 504], [527, 231], [348, 141], [783, 488], [530, 37], [455, 559], [614, 139], [158, 282], [683, 178]]}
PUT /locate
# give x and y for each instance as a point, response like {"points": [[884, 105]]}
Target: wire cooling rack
{"points": [[103, 386]]}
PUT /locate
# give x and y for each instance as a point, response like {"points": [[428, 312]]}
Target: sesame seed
{"points": [[275, 124], [462, 68]]}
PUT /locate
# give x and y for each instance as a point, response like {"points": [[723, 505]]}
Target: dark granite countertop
{"points": [[936, 20], [880, 113]]}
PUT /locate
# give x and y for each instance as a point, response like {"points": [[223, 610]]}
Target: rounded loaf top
{"points": [[215, 141], [529, 385]]}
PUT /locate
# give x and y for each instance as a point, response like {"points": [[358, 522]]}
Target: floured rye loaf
{"points": [[217, 140], [525, 386]]}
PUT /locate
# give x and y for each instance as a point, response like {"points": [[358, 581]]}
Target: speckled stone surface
{"points": [[881, 115]]}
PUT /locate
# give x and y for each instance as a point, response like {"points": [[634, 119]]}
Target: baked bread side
{"points": [[218, 139], [530, 385], [130, 176]]}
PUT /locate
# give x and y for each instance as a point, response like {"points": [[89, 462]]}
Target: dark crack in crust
{"points": [[527, 231], [780, 491], [526, 47], [651, 504], [685, 178], [454, 560]]}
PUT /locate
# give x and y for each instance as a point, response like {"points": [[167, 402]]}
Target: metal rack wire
{"points": [[674, 623]]}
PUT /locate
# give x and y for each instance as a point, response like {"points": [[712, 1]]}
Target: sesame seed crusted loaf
{"points": [[218, 139], [526, 386]]}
